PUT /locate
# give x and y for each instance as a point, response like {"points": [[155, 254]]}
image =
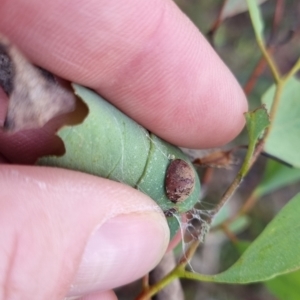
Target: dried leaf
{"points": [[217, 159], [34, 95]]}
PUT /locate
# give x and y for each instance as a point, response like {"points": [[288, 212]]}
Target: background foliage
{"points": [[270, 185]]}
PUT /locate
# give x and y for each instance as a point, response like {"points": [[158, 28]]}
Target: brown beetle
{"points": [[180, 180]]}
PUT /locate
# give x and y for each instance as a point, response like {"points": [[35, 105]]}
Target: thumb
{"points": [[67, 233]]}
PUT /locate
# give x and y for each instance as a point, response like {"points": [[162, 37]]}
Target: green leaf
{"points": [[274, 252], [256, 18], [257, 121], [239, 224], [236, 226], [285, 287], [242, 246], [234, 7], [284, 138], [111, 145], [221, 216], [276, 176]]}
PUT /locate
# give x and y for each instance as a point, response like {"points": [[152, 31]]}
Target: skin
{"points": [[67, 233]]}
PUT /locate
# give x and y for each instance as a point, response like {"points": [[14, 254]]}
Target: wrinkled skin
{"points": [[66, 233]]}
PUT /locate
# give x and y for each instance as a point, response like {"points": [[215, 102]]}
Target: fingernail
{"points": [[120, 251]]}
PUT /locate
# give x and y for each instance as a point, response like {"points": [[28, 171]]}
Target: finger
{"points": [[76, 233], [109, 295], [144, 56]]}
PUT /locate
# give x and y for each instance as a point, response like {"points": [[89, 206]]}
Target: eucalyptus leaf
{"points": [[256, 18], [257, 122], [285, 287], [111, 145], [276, 176], [283, 141], [274, 252], [234, 7], [236, 226], [239, 225], [242, 246], [221, 216]]}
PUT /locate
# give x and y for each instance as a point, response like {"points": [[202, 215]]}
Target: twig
{"points": [[174, 289], [232, 237], [258, 70]]}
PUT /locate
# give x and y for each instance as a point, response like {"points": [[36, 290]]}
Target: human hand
{"points": [[67, 233]]}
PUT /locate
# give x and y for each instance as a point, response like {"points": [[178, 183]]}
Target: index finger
{"points": [[145, 57]]}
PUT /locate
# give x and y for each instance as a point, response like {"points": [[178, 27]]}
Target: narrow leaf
{"points": [[235, 7], [256, 19], [239, 225], [236, 226], [276, 176], [111, 145]]}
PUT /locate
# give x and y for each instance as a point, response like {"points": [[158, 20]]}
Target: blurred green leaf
{"points": [[256, 18], [276, 176], [274, 252], [221, 216], [234, 7], [285, 287], [284, 140], [240, 224], [242, 246], [237, 226]]}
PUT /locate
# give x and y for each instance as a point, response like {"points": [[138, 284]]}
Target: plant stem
{"points": [[259, 68], [195, 276], [270, 61], [293, 71], [231, 236], [187, 256], [228, 193], [275, 105], [154, 289]]}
